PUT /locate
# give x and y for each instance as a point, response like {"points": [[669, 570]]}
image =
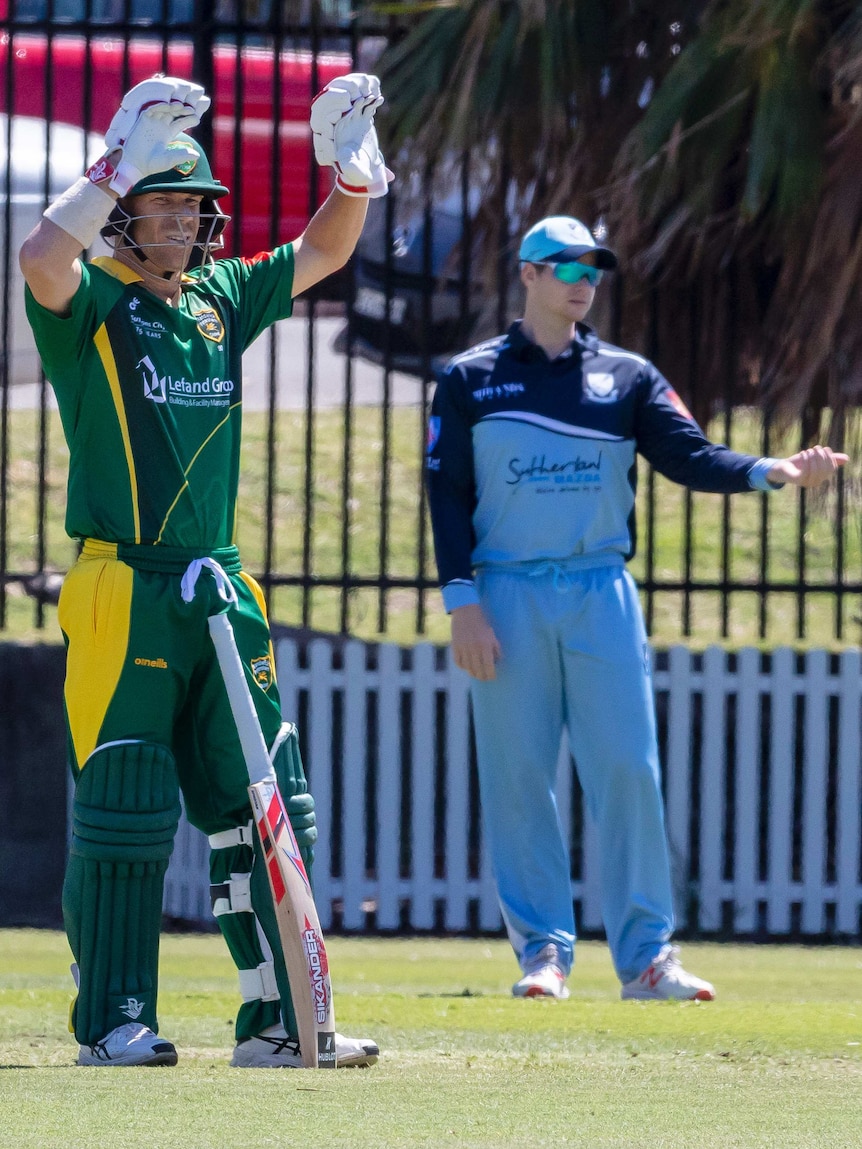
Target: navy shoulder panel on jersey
{"points": [[506, 419]]}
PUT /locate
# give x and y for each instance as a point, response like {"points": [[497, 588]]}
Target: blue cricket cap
{"points": [[561, 239]]}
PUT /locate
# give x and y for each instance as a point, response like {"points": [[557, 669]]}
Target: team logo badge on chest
{"points": [[210, 324], [599, 384]]}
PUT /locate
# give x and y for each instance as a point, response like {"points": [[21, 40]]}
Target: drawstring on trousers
{"points": [[562, 582], [223, 584]]}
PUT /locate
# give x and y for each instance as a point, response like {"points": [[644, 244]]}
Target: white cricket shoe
{"points": [[664, 979], [129, 1044], [273, 1049], [543, 976]]}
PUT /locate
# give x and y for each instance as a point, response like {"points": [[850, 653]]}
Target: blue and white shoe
{"points": [[129, 1044]]}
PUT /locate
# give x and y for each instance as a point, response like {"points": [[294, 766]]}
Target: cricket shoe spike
{"points": [[543, 976], [129, 1044], [664, 979], [273, 1049]]}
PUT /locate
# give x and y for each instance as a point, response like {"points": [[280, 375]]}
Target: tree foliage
{"points": [[543, 89], [744, 157], [716, 140]]}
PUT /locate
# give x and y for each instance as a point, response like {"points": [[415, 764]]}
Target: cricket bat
{"points": [[295, 911]]}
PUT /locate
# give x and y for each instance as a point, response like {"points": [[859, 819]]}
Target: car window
{"points": [[333, 12], [103, 11]]}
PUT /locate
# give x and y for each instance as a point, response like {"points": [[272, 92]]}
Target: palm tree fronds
{"points": [[786, 135], [715, 139], [816, 350]]}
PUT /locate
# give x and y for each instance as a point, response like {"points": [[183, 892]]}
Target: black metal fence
{"points": [[333, 518]]}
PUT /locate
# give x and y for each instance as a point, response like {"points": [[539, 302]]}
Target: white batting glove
{"points": [[190, 100], [146, 126], [342, 125]]}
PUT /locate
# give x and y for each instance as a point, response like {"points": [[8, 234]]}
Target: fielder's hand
{"points": [[807, 468], [475, 647], [146, 126], [342, 125]]}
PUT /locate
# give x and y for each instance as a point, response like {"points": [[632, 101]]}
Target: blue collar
{"points": [[526, 350]]}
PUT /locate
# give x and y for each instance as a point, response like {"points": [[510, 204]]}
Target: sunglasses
{"points": [[575, 272]]}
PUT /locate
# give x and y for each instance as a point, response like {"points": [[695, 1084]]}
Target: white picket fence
{"points": [[762, 779]]}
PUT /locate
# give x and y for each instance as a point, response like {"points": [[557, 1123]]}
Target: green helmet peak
{"points": [[189, 175]]}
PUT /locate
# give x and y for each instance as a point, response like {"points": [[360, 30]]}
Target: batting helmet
{"points": [[192, 175]]}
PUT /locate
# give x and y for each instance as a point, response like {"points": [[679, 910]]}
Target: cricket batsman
{"points": [[143, 349]]}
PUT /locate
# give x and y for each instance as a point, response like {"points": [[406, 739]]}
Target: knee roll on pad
{"points": [[127, 804], [125, 815]]}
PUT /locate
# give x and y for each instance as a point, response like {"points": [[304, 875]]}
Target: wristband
{"points": [[459, 592], [81, 211], [102, 171], [125, 177], [757, 479], [377, 187]]}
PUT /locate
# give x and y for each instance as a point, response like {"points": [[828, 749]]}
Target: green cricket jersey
{"points": [[150, 397]]}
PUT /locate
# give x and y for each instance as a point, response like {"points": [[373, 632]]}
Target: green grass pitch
{"points": [[775, 1061]]}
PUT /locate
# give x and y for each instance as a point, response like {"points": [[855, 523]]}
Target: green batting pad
{"points": [[240, 930], [264, 908], [125, 817], [240, 933]]}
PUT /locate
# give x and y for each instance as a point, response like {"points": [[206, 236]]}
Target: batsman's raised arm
{"points": [[345, 139], [141, 140]]}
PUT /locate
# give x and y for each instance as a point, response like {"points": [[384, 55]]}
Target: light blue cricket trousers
{"points": [[574, 655]]}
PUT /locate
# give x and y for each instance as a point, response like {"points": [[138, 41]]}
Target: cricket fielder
{"points": [[531, 472], [143, 350]]}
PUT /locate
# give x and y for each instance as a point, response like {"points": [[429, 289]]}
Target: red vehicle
{"points": [[81, 82]]}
